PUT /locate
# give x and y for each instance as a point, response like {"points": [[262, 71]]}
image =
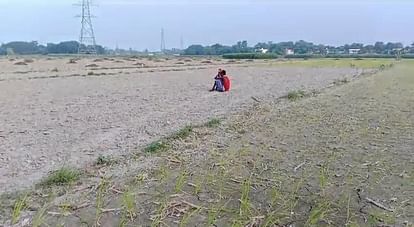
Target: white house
{"points": [[263, 50], [354, 51], [289, 52]]}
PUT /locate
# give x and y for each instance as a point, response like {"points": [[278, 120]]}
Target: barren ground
{"points": [[50, 119], [341, 156]]}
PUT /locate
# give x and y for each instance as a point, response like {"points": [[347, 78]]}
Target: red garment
{"points": [[226, 83]]}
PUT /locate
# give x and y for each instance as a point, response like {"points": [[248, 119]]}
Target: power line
{"points": [[87, 41]]}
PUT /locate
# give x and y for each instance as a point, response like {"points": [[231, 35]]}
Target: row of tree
{"points": [[68, 47], [300, 47]]}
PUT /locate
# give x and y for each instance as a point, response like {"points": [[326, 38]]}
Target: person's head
{"points": [[219, 70], [223, 72]]}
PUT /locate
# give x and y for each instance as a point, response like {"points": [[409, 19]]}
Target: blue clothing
{"points": [[219, 85]]}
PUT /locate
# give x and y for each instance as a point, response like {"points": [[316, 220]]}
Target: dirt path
{"points": [[70, 121]]}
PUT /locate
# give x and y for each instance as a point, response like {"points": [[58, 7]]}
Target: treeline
{"points": [[309, 56], [19, 47], [301, 48]]}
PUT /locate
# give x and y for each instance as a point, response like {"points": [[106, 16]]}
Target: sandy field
{"points": [[55, 113]]}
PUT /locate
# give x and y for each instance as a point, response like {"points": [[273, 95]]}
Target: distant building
{"points": [[289, 52], [354, 51], [262, 50]]}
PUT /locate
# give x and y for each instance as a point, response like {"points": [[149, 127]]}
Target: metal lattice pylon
{"points": [[87, 42], [162, 41]]}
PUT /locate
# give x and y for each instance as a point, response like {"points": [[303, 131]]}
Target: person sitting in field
{"points": [[218, 82], [226, 80]]}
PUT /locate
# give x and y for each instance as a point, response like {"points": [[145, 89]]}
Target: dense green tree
{"points": [[195, 50], [379, 47], [69, 47], [3, 50], [19, 47]]}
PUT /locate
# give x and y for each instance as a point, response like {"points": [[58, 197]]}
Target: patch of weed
{"points": [[62, 176], [182, 133], [295, 95], [128, 206], [19, 206], [157, 146], [181, 180], [213, 123], [318, 213]]}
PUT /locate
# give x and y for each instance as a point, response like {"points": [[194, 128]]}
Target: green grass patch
{"points": [[182, 133], [212, 123], [157, 146], [295, 95], [18, 207], [62, 176]]}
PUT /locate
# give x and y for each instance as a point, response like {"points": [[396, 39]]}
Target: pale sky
{"points": [[137, 23]]}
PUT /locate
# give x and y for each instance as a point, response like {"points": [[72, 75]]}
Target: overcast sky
{"points": [[137, 23]]}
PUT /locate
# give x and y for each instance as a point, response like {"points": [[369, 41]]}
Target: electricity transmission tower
{"points": [[162, 41], [87, 42], [182, 43]]}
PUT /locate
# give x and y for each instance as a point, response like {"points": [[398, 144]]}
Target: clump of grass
{"points": [[90, 73], [318, 213], [19, 205], [182, 133], [104, 160], [295, 95], [39, 218], [129, 206], [181, 180], [100, 196], [213, 123], [245, 198], [62, 176], [213, 213], [157, 146], [140, 178]]}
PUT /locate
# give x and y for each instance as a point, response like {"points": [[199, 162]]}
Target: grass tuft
{"points": [[128, 207], [295, 95], [213, 123], [157, 146], [181, 181], [62, 176], [19, 206], [182, 133]]}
